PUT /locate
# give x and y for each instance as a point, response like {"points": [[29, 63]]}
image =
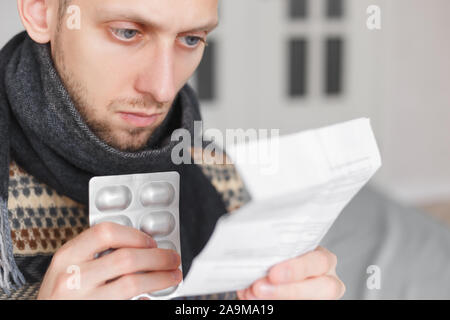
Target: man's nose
{"points": [[156, 78]]}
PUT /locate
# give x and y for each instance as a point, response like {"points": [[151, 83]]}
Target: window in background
{"points": [[297, 69], [334, 9], [333, 62], [307, 51], [333, 47], [298, 9]]}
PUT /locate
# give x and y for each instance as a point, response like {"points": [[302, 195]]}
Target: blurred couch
{"points": [[410, 249]]}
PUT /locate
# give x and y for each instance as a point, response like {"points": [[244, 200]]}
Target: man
{"points": [[103, 99]]}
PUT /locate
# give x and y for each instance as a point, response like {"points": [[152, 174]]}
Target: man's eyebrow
{"points": [[136, 17], [206, 27]]}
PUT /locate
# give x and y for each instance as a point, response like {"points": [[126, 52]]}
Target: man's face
{"points": [[126, 64]]}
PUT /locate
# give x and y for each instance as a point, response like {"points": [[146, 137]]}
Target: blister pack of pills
{"points": [[148, 202]]}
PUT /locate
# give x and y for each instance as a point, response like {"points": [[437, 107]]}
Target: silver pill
{"points": [[113, 198], [122, 220], [157, 193], [157, 223]]}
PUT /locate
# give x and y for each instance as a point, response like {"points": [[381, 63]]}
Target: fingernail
{"points": [[151, 243], [175, 258], [266, 290], [176, 275]]}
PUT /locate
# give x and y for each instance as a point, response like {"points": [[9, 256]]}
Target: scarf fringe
{"points": [[8, 267]]}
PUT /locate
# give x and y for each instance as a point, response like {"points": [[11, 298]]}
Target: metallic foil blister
{"points": [[148, 202]]}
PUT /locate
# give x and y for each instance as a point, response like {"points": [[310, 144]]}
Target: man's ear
{"points": [[36, 16]]}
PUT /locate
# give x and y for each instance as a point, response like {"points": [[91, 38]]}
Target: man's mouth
{"points": [[139, 119]]}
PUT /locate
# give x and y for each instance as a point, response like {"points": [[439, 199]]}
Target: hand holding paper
{"points": [[310, 276], [317, 173]]}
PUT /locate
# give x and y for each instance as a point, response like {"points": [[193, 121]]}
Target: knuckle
{"points": [[59, 256], [104, 232]]}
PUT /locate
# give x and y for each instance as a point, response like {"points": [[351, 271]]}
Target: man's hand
{"points": [[136, 267], [310, 276]]}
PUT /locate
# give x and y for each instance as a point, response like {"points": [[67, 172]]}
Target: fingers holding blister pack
{"points": [[126, 261], [147, 202]]}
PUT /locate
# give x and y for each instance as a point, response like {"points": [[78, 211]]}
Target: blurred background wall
{"points": [[298, 64]]}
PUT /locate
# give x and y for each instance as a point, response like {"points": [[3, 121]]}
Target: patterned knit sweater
{"points": [[42, 220]]}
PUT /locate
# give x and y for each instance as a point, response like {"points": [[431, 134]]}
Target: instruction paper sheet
{"points": [[296, 197]]}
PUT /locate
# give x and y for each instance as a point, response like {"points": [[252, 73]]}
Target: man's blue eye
{"points": [[126, 34], [192, 41]]}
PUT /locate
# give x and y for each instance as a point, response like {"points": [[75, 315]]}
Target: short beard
{"points": [[78, 93]]}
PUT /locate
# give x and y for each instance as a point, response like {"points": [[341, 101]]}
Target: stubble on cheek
{"points": [[131, 139]]}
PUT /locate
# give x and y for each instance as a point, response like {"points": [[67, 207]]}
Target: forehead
{"points": [[166, 15]]}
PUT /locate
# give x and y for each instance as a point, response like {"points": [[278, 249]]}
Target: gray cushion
{"points": [[411, 249]]}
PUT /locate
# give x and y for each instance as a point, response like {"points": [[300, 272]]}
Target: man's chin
{"points": [[129, 147], [131, 143]]}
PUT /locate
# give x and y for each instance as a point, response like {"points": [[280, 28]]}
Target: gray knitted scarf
{"points": [[41, 129]]}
